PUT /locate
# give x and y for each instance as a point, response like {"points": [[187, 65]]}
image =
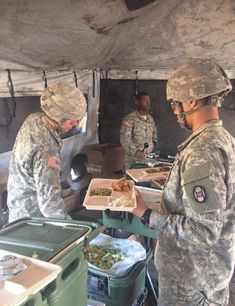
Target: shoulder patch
{"points": [[54, 162], [199, 194]]}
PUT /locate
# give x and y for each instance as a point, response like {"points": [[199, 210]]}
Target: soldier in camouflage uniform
{"points": [[137, 129], [34, 188], [195, 226]]}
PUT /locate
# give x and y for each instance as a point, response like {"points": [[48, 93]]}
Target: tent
{"points": [[62, 36], [88, 40]]}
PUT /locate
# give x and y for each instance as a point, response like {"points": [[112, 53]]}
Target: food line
{"points": [[108, 195]]}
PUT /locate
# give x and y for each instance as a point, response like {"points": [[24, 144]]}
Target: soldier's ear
{"points": [[195, 103]]}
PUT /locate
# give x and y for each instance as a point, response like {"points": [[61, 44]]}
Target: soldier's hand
{"points": [[141, 207], [139, 154]]}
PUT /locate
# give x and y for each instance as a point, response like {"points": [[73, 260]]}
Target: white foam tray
{"points": [[151, 197], [141, 174], [36, 276], [103, 202]]}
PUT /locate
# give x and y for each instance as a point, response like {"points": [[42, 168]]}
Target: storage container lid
{"points": [[41, 238]]}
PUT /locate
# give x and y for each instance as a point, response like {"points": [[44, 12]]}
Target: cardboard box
{"points": [[104, 159]]}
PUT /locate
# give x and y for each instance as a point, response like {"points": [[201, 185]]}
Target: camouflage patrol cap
{"points": [[197, 79], [63, 101]]}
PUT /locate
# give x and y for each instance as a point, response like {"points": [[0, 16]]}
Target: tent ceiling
{"points": [[76, 34]]}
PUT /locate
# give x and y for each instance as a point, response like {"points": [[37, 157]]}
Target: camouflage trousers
{"points": [[170, 294]]}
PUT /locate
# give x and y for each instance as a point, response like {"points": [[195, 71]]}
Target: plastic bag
{"points": [[10, 265], [134, 250]]}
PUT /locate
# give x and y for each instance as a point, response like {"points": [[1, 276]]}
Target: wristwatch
{"points": [[145, 218]]}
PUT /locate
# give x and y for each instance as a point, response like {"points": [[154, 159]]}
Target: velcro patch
{"points": [[54, 162]]}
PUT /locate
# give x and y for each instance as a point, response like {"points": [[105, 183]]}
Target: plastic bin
{"points": [[56, 241], [127, 290]]}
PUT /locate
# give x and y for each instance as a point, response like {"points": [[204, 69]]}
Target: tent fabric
{"points": [[70, 35], [32, 83]]}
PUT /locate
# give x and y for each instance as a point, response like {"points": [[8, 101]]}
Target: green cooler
{"points": [[59, 242], [127, 290]]}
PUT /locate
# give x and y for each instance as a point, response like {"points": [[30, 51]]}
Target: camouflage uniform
{"points": [[195, 252], [135, 131], [34, 188]]}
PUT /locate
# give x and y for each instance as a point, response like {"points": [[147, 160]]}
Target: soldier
{"points": [[195, 225], [138, 128], [34, 188]]}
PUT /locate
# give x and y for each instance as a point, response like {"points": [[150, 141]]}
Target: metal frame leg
{"points": [[151, 289]]}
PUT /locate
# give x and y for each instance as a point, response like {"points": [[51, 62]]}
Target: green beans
{"points": [[103, 258], [101, 192]]}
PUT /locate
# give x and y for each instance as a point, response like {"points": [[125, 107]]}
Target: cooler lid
{"points": [[42, 238]]}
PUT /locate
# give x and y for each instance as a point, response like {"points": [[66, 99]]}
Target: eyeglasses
{"points": [[175, 104]]}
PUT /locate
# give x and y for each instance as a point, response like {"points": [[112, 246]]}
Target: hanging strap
{"points": [[93, 83], [44, 77], [136, 82], [11, 90], [75, 78]]}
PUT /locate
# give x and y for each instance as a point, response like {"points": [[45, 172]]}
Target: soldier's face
{"points": [[68, 125], [180, 111], [145, 103]]}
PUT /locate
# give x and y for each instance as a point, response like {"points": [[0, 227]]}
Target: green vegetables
{"points": [[101, 192], [152, 170], [103, 258], [155, 170], [34, 255]]}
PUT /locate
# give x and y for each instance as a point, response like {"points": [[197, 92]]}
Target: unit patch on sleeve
{"points": [[54, 162], [199, 194]]}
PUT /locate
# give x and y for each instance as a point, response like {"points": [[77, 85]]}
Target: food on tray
{"points": [[103, 258], [110, 193], [121, 185], [151, 170], [101, 192], [121, 202], [35, 255], [155, 170], [165, 168]]}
